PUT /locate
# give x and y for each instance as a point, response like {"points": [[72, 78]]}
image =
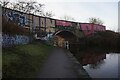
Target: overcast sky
{"points": [[81, 11]]}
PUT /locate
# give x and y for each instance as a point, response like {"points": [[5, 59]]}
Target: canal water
{"points": [[98, 63]]}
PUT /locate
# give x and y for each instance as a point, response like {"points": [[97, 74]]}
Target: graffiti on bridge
{"points": [[17, 17], [8, 40], [64, 28]]}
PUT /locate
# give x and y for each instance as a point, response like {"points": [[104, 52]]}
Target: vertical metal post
{"points": [[39, 26], [1, 41], [119, 33], [66, 44]]}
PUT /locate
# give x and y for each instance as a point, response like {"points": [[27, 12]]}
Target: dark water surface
{"points": [[98, 63], [105, 68]]}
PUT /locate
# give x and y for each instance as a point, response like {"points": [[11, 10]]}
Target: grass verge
{"points": [[24, 60]]}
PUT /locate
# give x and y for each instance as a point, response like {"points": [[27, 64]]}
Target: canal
{"points": [[98, 63]]}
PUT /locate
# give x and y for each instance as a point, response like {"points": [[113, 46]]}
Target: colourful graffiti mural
{"points": [[39, 24], [8, 41], [16, 17], [89, 28], [63, 23]]}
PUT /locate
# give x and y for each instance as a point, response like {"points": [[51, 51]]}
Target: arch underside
{"points": [[61, 37]]}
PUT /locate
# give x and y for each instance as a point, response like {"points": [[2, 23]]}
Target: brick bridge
{"points": [[62, 31]]}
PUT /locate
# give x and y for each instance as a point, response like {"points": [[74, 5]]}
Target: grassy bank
{"points": [[24, 60]]}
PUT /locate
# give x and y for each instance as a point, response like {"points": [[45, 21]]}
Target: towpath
{"points": [[58, 65]]}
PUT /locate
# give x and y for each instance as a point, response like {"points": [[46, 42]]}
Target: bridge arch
{"points": [[62, 36], [60, 31]]}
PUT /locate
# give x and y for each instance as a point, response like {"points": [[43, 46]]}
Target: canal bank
{"points": [[62, 64], [77, 66]]}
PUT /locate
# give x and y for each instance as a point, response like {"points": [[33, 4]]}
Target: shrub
{"points": [[9, 27], [105, 39]]}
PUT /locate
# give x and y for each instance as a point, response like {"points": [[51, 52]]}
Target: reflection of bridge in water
{"points": [[91, 57]]}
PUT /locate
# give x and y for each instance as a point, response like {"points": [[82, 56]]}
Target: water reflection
{"points": [[98, 63], [91, 58]]}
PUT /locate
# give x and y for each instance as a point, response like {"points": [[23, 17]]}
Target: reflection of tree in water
{"points": [[97, 65], [94, 58]]}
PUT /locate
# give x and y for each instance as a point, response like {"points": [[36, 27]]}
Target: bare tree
{"points": [[28, 6], [95, 20], [38, 8], [32, 7], [68, 18], [48, 14], [4, 3], [20, 6]]}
